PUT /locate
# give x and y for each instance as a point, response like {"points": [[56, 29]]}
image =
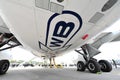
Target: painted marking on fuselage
{"points": [[63, 30]]}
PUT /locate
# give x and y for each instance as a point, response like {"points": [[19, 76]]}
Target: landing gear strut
{"points": [[91, 63], [54, 64]]}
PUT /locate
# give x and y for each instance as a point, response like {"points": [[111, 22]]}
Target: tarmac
{"points": [[57, 74]]}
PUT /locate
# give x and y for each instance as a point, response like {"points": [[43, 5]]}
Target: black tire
{"points": [[105, 66], [80, 66], [4, 65], [93, 66]]}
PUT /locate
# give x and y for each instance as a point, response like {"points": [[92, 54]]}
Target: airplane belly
{"points": [[48, 26], [21, 22]]}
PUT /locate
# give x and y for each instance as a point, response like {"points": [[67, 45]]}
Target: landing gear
{"points": [[91, 63], [80, 66], [105, 66], [5, 39], [54, 64], [4, 65], [93, 66]]}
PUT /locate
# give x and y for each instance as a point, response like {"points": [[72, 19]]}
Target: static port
{"points": [[60, 1]]}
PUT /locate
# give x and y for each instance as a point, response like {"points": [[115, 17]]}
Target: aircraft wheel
{"points": [[4, 65], [80, 66], [105, 66], [93, 66]]}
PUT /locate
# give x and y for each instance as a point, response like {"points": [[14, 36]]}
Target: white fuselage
{"points": [[50, 27]]}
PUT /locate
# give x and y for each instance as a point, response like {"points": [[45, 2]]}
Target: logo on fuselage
{"points": [[61, 29]]}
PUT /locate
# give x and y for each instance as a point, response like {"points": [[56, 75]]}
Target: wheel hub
{"points": [[79, 66], [91, 66], [103, 66], [5, 67]]}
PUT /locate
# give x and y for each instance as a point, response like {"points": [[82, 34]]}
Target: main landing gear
{"points": [[4, 65], [91, 63], [5, 39]]}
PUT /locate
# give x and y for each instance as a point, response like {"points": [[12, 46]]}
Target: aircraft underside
{"points": [[51, 27]]}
